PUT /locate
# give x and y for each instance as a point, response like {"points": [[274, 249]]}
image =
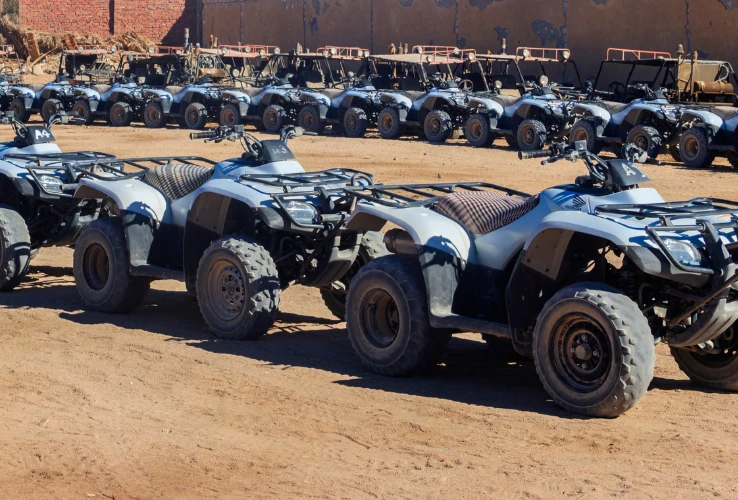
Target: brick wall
{"points": [[160, 20]]}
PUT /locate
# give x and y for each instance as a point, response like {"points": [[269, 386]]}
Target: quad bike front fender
{"points": [[163, 97], [601, 116], [427, 228], [493, 108], [86, 93], [316, 99], [711, 120], [132, 196], [396, 100]]}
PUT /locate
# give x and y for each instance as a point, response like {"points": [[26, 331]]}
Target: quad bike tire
{"points": [[238, 288], [531, 135], [389, 124], [477, 131], [647, 138], [81, 111], [15, 248], [372, 247], [49, 108], [355, 123], [101, 269], [673, 151], [274, 118], [229, 115], [387, 318], [438, 126], [121, 114], [512, 141], [153, 115], [18, 107], [694, 148], [309, 119], [733, 158], [586, 130], [715, 371], [593, 350], [196, 116]]}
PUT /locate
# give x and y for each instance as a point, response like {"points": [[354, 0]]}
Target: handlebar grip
{"points": [[541, 153], [202, 135]]}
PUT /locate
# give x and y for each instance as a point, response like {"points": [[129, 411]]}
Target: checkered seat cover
{"points": [[483, 212], [612, 107], [725, 112], [176, 180]]}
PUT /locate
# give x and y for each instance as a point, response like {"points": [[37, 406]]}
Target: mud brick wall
{"points": [[160, 20], [587, 27]]}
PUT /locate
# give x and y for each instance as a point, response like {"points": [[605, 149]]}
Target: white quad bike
{"points": [[37, 181], [237, 234], [585, 278]]}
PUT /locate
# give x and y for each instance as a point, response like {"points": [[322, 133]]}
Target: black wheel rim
{"points": [[351, 122], [153, 114], [727, 344], [227, 290], [308, 120], [229, 118], [641, 141], [193, 116], [79, 112], [119, 114], [580, 352], [387, 122], [96, 267], [580, 135], [270, 118], [434, 125], [529, 135], [691, 148], [380, 318], [475, 130]]}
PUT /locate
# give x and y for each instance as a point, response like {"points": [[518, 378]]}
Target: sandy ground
{"points": [[151, 404]]}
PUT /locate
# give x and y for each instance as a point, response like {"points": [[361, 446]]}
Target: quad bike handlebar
{"points": [[252, 146]]}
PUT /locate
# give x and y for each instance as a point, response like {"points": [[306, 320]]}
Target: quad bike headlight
{"points": [[684, 252], [302, 212], [50, 183], [543, 81]]}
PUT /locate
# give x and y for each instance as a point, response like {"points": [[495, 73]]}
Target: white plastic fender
{"points": [[132, 195]]}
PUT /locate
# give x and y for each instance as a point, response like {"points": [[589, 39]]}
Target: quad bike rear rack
{"points": [[94, 164], [698, 209]]}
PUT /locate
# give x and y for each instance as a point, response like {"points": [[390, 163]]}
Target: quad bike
{"points": [[190, 106], [527, 122], [118, 104], [350, 111], [709, 131], [585, 278], [36, 204], [652, 123], [266, 106], [237, 234], [50, 99]]}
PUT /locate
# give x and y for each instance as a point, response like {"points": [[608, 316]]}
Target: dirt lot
{"points": [[150, 404]]}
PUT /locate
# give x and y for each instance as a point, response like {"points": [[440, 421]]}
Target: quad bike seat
{"points": [[612, 107], [176, 180], [506, 100], [483, 212], [725, 112], [173, 89], [101, 89]]}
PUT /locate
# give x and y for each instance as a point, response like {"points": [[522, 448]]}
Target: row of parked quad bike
{"points": [[680, 105], [585, 278]]}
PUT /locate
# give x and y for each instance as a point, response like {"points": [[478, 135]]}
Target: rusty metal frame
{"points": [[639, 54], [345, 53], [543, 54]]}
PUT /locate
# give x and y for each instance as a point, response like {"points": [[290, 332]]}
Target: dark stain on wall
{"points": [[547, 33], [481, 4], [729, 4], [501, 33]]}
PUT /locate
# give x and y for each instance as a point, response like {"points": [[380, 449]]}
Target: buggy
{"points": [[84, 65], [585, 278], [237, 232], [644, 108], [227, 69], [527, 110]]}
